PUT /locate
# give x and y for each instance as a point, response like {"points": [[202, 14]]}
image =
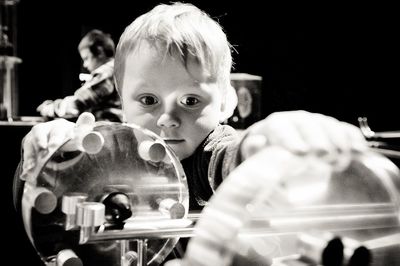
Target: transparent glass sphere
{"points": [[125, 176], [279, 206]]}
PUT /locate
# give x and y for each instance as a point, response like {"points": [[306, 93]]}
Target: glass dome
{"points": [[291, 208], [122, 177]]}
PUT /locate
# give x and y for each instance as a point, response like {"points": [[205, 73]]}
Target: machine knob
{"points": [[130, 258], [151, 151], [171, 207], [118, 207], [93, 142], [42, 199], [68, 206], [67, 257], [70, 200], [90, 214]]}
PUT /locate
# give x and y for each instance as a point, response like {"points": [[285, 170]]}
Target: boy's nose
{"points": [[168, 120]]}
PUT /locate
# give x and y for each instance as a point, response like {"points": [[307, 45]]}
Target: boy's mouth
{"points": [[170, 141]]}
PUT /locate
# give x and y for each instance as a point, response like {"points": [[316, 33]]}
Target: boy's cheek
{"points": [[133, 113]]}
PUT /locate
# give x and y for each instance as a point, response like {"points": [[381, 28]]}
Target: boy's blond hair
{"points": [[181, 30]]}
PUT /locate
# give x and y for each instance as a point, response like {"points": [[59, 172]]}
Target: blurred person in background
{"points": [[98, 94]]}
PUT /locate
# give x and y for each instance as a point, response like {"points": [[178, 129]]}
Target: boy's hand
{"points": [[67, 107], [46, 137], [303, 133]]}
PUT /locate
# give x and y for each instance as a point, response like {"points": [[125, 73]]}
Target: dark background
{"points": [[338, 60]]}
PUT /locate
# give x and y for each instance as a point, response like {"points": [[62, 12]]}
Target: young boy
{"points": [[172, 70]]}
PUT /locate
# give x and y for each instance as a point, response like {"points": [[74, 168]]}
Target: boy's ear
{"points": [[100, 52], [229, 103]]}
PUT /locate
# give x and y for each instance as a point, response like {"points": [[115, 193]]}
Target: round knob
{"points": [[151, 151], [70, 200], [175, 209], [90, 214], [67, 257], [130, 258], [93, 142], [42, 199]]}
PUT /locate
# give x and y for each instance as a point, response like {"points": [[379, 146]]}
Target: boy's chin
{"points": [[181, 154]]}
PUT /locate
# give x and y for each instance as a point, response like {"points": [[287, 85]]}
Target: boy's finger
{"points": [[252, 144], [58, 135], [72, 111], [61, 108], [47, 110], [29, 155], [32, 153], [44, 104], [83, 126], [38, 137]]}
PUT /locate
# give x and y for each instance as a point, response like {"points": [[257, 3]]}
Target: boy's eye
{"points": [[148, 100], [190, 101]]}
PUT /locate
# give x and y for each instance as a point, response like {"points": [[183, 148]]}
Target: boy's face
{"points": [[175, 102]]}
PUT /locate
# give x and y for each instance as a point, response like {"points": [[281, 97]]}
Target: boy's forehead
{"points": [[145, 50], [154, 54], [197, 71]]}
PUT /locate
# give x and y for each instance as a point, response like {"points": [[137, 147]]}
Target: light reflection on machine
{"points": [[122, 200], [122, 177]]}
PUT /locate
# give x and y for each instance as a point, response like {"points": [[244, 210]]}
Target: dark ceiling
{"points": [[338, 60]]}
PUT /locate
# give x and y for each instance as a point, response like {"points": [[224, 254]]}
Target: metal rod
{"points": [[141, 234], [386, 134], [389, 153], [369, 133], [142, 252], [335, 217]]}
